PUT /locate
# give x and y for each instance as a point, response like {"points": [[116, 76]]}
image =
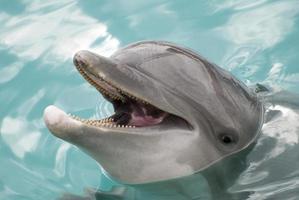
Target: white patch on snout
{"points": [[53, 116], [58, 122]]}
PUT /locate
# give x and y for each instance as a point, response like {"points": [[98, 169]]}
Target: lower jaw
{"points": [[59, 122], [134, 122]]}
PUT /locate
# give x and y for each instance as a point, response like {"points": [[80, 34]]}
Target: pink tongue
{"points": [[145, 120]]}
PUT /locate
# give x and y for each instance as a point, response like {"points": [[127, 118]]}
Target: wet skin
{"points": [[176, 114]]}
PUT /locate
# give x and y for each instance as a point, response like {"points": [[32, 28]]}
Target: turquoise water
{"points": [[255, 40]]}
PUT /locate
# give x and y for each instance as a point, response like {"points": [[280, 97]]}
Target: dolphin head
{"points": [[175, 113]]}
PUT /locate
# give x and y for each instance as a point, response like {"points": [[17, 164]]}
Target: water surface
{"points": [[255, 40]]}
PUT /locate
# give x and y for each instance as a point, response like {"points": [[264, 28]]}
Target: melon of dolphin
{"points": [[176, 113]]}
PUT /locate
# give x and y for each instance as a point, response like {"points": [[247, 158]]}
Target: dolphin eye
{"points": [[227, 138]]}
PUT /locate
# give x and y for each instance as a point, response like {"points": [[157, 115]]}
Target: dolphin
{"points": [[175, 114]]}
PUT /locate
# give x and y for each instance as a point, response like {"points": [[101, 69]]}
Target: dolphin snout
{"points": [[59, 123], [80, 58]]}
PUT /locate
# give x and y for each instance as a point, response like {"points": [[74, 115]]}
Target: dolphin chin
{"points": [[58, 122], [175, 113]]}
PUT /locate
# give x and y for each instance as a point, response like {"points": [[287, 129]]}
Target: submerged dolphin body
{"points": [[176, 114]]}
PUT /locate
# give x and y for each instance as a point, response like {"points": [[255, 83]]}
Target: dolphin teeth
{"points": [[106, 122]]}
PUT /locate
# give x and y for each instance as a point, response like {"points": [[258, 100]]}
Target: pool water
{"points": [[257, 41]]}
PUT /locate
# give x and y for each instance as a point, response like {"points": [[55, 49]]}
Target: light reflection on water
{"points": [[254, 40]]}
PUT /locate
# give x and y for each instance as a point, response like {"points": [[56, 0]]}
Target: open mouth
{"points": [[129, 110]]}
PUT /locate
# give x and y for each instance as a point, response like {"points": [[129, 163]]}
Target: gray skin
{"points": [[174, 79]]}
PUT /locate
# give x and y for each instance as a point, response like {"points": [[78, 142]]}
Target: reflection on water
{"points": [[255, 40], [272, 22], [273, 163]]}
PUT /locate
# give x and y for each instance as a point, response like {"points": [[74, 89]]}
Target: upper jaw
{"points": [[106, 76]]}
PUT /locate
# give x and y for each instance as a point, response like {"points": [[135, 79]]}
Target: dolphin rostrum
{"points": [[176, 113]]}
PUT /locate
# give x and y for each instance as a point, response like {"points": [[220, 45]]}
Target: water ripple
{"points": [[273, 21], [103, 109], [255, 40], [57, 42]]}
